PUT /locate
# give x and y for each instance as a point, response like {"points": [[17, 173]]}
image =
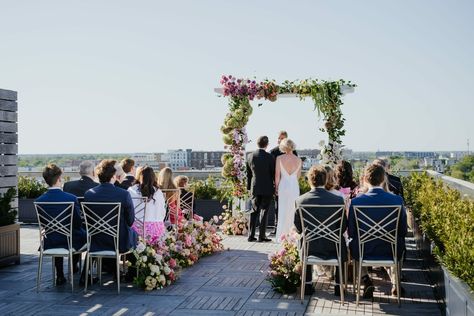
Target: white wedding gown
{"points": [[288, 192]]}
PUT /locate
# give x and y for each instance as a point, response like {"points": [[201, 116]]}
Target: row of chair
{"points": [[99, 218], [324, 223]]}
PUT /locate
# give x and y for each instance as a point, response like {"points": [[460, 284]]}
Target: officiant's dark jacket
{"points": [[107, 192], [260, 173], [275, 152], [80, 187], [321, 247], [395, 185]]}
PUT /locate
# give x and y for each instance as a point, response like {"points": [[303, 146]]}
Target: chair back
{"points": [[172, 204], [140, 204], [55, 218], [377, 225], [187, 203], [102, 221], [321, 227]]}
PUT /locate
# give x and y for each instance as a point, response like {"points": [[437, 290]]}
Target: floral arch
{"points": [[327, 99]]}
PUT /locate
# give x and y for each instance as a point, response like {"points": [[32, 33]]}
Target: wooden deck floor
{"points": [[230, 283]]}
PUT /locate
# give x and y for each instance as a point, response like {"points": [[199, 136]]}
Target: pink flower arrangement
{"points": [[233, 225], [285, 266], [159, 259]]}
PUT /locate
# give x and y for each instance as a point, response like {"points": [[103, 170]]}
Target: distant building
{"points": [[179, 159], [148, 159], [206, 159], [407, 154]]}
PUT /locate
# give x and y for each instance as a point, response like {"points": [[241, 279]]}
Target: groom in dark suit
{"points": [[260, 183]]}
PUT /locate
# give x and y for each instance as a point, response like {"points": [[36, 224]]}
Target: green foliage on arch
{"points": [[327, 99]]}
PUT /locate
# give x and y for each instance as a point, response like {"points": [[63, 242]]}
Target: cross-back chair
{"points": [[378, 223], [60, 223], [103, 218], [321, 223], [140, 204]]}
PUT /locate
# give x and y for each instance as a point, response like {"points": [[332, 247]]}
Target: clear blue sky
{"points": [[138, 76]]}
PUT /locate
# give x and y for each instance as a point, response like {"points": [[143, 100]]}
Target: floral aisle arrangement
{"points": [[285, 267], [154, 271], [232, 225], [327, 98], [160, 259]]}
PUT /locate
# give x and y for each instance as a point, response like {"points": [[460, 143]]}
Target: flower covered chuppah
{"points": [[327, 98]]}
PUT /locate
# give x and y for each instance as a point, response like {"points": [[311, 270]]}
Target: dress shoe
{"points": [[394, 291], [252, 239], [367, 287], [60, 280], [264, 239], [308, 290]]}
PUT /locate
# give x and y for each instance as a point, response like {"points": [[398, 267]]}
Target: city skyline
{"points": [[115, 77]]}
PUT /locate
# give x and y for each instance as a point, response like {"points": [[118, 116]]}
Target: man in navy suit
{"points": [[322, 248], [375, 177], [86, 182], [52, 176], [108, 192]]}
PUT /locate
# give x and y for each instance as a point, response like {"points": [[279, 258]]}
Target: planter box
{"points": [[10, 244], [26, 211], [459, 299], [208, 208]]}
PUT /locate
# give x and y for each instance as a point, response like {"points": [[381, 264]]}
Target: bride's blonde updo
{"points": [[287, 146]]}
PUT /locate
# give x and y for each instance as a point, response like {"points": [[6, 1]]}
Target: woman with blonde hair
{"points": [[287, 173], [331, 184], [166, 184]]}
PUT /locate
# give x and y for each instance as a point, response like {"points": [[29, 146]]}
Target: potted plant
{"points": [[208, 198], [9, 230], [28, 190]]}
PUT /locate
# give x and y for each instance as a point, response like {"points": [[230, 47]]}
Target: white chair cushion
{"points": [[378, 262], [57, 252], [102, 253], [317, 260]]}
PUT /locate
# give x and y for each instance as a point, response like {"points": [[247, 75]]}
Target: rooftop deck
{"points": [[230, 283]]}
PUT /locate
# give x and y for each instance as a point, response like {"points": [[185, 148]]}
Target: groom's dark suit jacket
{"points": [[322, 248], [260, 173]]}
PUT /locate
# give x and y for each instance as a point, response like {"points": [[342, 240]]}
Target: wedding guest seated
{"points": [[331, 182], [86, 182], [165, 183], [128, 166], [155, 211], [377, 249], [186, 197], [318, 195], [394, 183], [52, 176], [345, 179], [107, 192], [119, 176]]}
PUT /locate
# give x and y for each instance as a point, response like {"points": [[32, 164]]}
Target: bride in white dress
{"points": [[287, 173]]}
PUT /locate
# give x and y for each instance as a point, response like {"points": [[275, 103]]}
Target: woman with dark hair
{"points": [[155, 211], [345, 179]]}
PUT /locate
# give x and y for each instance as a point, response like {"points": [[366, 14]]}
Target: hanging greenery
{"points": [[327, 99]]}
